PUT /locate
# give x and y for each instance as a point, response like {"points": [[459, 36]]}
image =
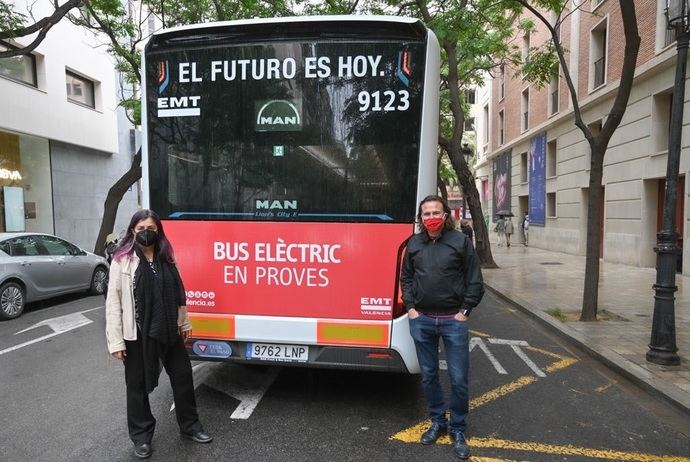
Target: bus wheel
{"points": [[12, 300]]}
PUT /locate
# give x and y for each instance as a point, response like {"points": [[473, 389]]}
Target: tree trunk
{"points": [[590, 295], [112, 201], [442, 187], [481, 232]]}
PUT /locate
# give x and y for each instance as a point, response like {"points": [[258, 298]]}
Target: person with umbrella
{"points": [[508, 230]]}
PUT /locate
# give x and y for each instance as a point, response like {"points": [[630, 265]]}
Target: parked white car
{"points": [[36, 266]]}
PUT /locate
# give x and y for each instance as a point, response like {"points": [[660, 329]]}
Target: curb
{"points": [[637, 375]]}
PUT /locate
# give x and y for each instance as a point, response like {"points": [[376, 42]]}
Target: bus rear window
{"points": [[286, 131]]}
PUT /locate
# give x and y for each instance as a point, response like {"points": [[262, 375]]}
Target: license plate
{"points": [[273, 352]]}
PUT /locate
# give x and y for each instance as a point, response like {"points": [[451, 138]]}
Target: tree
{"points": [[474, 37], [598, 142]]}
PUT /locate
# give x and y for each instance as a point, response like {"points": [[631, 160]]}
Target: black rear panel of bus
{"points": [[286, 122]]}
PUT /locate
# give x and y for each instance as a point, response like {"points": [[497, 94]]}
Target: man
{"points": [[525, 228], [508, 229], [442, 282]]}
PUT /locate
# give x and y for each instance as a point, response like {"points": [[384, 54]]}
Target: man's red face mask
{"points": [[434, 224]]}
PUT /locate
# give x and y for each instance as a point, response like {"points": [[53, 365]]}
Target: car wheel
{"points": [[99, 281], [12, 300]]}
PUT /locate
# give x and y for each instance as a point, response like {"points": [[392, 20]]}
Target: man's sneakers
{"points": [[460, 447], [142, 450], [433, 433]]}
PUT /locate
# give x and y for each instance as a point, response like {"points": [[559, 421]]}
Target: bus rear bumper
{"points": [[321, 356]]}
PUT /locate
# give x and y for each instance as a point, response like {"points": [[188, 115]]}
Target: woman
{"points": [[147, 325]]}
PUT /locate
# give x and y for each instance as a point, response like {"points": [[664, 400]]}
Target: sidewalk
{"points": [[537, 280]]}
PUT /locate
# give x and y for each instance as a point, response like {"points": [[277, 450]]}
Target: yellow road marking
{"points": [[479, 334], [605, 387], [412, 434], [569, 450], [492, 459]]}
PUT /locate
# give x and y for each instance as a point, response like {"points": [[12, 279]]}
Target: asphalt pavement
{"points": [[533, 397]]}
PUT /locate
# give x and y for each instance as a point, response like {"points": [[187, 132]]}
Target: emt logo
{"points": [[174, 106]]}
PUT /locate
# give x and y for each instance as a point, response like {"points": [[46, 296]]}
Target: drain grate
{"points": [[550, 263]]}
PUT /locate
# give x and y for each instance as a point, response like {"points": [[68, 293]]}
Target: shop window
{"points": [[26, 201], [19, 68], [80, 90]]}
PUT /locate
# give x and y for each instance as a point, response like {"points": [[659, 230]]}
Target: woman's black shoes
{"points": [[198, 437], [143, 450]]}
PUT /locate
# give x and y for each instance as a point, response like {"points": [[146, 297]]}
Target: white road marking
{"points": [[237, 381], [477, 341], [59, 325], [515, 345]]}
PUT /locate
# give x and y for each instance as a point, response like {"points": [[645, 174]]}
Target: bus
{"points": [[287, 157]]}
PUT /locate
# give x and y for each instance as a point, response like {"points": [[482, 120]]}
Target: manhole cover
{"points": [[550, 263]]}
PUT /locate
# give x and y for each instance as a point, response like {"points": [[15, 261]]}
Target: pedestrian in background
{"points": [[467, 229], [500, 229], [508, 229], [147, 325], [525, 228], [442, 283]]}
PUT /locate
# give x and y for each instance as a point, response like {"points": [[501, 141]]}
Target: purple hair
{"points": [[126, 246]]}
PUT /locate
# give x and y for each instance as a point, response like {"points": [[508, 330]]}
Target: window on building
{"points": [[486, 124], [19, 68], [151, 24], [80, 90], [551, 158], [661, 121], [551, 205], [524, 167], [469, 124], [471, 96], [553, 92], [502, 82], [525, 46], [524, 122], [598, 49], [500, 127], [555, 22], [596, 3]]}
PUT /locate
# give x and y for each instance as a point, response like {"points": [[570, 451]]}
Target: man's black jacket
{"points": [[442, 275]]}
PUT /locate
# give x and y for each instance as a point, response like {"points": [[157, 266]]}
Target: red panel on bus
{"points": [[316, 270]]}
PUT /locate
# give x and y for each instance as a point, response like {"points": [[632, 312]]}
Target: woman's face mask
{"points": [[146, 237]]}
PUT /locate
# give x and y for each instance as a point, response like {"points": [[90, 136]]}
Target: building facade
{"points": [[532, 157], [63, 140]]}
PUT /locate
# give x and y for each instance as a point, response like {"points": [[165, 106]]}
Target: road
{"points": [[533, 397]]}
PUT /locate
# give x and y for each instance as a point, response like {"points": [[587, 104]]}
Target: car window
{"points": [[56, 246], [5, 247], [24, 246]]}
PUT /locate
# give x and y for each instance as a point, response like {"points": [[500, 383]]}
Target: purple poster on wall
{"points": [[501, 174], [537, 180]]}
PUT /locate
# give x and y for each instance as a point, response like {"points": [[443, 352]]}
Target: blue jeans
{"points": [[426, 332]]}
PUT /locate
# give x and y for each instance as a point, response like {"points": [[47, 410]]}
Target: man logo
{"points": [[278, 116]]}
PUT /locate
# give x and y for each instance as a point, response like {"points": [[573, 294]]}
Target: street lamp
{"points": [[467, 153], [662, 346]]}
